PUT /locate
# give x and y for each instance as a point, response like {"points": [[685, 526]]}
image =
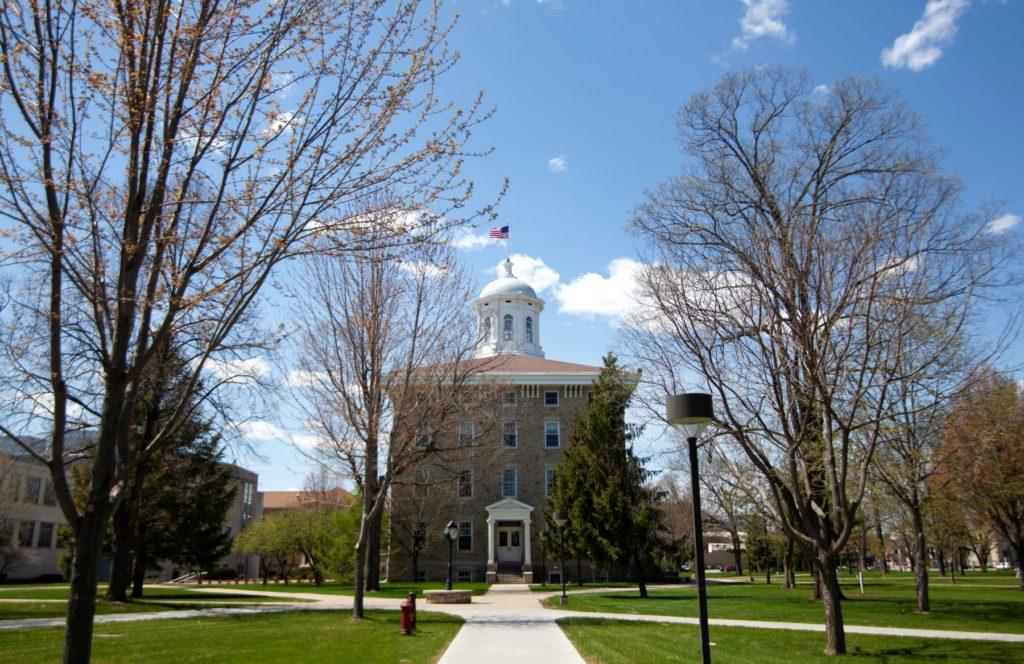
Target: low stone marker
{"points": [[448, 596]]}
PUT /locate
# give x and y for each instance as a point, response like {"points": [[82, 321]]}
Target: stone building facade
{"points": [[497, 491]]}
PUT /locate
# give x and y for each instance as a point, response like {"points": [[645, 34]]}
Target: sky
{"points": [[586, 92]]}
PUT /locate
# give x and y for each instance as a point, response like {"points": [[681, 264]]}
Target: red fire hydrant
{"points": [[412, 598], [406, 617]]}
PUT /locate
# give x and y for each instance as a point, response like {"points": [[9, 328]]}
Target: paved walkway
{"points": [[508, 624]]}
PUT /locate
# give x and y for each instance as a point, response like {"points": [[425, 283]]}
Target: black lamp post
{"points": [[451, 533], [689, 414], [560, 518]]}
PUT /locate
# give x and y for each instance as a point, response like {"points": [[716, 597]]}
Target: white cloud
{"points": [[1002, 223], [922, 46], [283, 121], [260, 430], [763, 18], [428, 269], [593, 294], [307, 440], [822, 89], [237, 370], [557, 164], [531, 270], [467, 240], [303, 378]]}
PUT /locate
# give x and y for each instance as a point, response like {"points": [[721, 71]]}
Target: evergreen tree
{"points": [[603, 486]]}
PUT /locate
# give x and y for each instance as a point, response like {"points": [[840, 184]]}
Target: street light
{"points": [[451, 533], [560, 518], [690, 414]]}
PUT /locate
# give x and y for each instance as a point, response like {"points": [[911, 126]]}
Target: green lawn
{"points": [[298, 636], [392, 590], [557, 587], [888, 602], [51, 604], [618, 641]]}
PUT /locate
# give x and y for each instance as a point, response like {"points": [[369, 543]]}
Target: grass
{"points": [[297, 636], [52, 602], [619, 641], [390, 590], [889, 602]]}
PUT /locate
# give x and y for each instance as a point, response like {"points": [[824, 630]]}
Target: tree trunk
{"points": [[816, 594], [373, 554], [787, 566], [641, 580], [1019, 550], [768, 575], [920, 565], [138, 575], [121, 561], [940, 554], [360, 582], [82, 593], [862, 551], [737, 554], [881, 544], [579, 572], [835, 635]]}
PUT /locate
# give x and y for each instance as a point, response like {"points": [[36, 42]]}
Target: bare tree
{"points": [[808, 240], [158, 159], [387, 343]]}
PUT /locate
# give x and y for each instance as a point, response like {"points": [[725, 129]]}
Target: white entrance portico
{"points": [[508, 537]]}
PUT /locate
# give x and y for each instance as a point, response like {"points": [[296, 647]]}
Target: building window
{"points": [[465, 484], [44, 538], [551, 436], [506, 327], [465, 575], [551, 398], [465, 535], [421, 577], [529, 330], [508, 484], [509, 399], [33, 489], [467, 430], [555, 577], [6, 532], [549, 481], [49, 495], [248, 493], [26, 529], [509, 434], [421, 481]]}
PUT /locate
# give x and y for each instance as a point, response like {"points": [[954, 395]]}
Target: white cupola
{"points": [[508, 317]]}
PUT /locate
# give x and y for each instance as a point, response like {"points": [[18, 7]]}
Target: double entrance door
{"points": [[510, 544]]}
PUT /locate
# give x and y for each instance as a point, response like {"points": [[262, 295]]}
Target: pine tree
{"points": [[603, 486]]}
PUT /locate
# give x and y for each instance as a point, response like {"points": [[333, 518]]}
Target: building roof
{"points": [[290, 500], [508, 285], [516, 363]]}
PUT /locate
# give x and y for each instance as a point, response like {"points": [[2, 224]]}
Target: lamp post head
{"points": [[689, 413], [560, 518], [451, 531]]}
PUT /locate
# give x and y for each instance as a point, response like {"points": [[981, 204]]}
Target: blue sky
{"points": [[586, 92]]}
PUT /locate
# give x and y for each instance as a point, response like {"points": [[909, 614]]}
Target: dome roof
{"points": [[508, 285]]}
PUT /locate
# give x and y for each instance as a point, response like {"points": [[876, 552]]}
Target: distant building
{"points": [[30, 516]]}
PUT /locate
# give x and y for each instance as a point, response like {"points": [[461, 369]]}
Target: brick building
{"points": [[497, 490]]}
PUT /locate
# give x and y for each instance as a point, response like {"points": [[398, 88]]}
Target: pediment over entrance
{"points": [[508, 509]]}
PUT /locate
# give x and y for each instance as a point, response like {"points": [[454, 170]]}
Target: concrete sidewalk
{"points": [[507, 625]]}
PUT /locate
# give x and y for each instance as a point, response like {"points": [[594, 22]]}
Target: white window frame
{"points": [[508, 325], [458, 545], [558, 435], [549, 481], [514, 483], [514, 434], [458, 492], [510, 398]]}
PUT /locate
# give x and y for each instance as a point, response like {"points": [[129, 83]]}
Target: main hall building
{"points": [[496, 492]]}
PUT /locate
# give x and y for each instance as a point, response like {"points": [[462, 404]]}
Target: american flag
{"points": [[500, 233]]}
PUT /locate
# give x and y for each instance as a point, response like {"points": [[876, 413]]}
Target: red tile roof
{"points": [[516, 363]]}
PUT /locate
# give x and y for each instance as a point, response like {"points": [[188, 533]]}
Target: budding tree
{"points": [[808, 241], [157, 160]]}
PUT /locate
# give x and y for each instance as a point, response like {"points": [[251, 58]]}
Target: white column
{"points": [[490, 541], [526, 540]]}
